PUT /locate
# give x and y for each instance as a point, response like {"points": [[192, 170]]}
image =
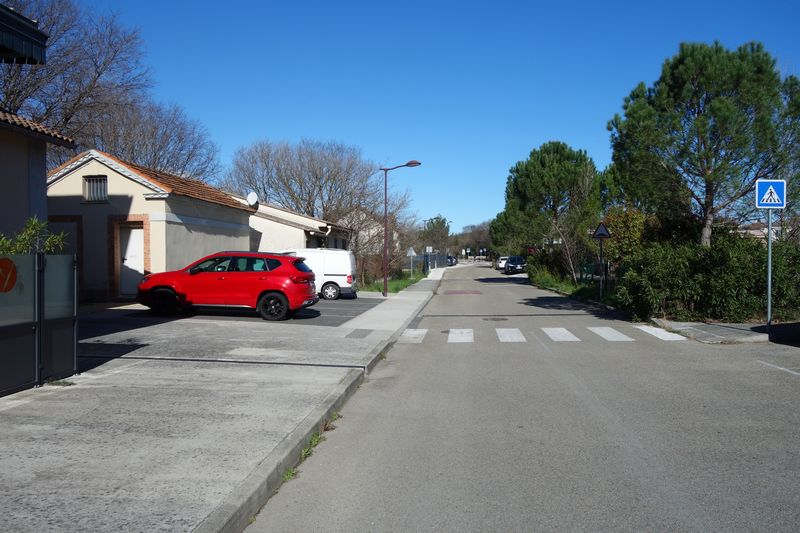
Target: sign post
{"points": [[601, 234], [410, 254], [770, 194]]}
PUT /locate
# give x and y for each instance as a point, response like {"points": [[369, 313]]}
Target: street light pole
{"points": [[411, 163]]}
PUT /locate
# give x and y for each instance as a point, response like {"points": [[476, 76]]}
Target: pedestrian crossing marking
{"points": [[610, 334], [412, 336], [460, 335], [560, 335], [510, 335], [662, 334]]}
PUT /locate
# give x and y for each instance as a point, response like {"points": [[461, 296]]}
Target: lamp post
{"points": [[411, 163]]}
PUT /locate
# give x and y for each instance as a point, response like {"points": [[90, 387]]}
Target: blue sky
{"points": [[467, 88]]}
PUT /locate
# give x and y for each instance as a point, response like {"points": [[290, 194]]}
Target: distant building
{"points": [[125, 220], [273, 229]]}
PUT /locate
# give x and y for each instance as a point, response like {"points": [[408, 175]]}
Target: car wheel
{"points": [[330, 291], [164, 302], [273, 306]]}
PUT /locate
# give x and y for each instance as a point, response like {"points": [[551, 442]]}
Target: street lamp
{"points": [[411, 163]]}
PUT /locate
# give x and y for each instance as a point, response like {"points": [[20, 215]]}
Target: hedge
{"points": [[724, 282]]}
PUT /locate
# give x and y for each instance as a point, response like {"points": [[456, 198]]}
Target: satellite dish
{"points": [[252, 199]]}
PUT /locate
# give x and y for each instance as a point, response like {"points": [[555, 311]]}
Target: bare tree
{"points": [[327, 180], [156, 136], [94, 89], [94, 64]]}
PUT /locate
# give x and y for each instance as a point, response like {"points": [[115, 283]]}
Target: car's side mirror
{"points": [[195, 270]]}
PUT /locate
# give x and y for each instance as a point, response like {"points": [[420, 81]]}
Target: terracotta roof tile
{"points": [[183, 186], [31, 127]]}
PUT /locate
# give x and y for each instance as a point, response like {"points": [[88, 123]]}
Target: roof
{"points": [[33, 129], [21, 40], [260, 213], [161, 183]]}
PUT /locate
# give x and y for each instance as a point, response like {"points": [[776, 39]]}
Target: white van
{"points": [[335, 270]]}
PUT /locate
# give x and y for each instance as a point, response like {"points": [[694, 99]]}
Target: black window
{"points": [[302, 267], [238, 264], [215, 264], [262, 264]]}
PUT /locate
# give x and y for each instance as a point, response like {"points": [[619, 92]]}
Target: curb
{"points": [[236, 511], [745, 339]]}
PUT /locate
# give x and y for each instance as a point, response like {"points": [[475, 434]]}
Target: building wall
{"points": [[270, 236], [194, 228], [125, 202], [22, 178]]}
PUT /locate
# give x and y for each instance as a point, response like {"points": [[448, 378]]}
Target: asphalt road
{"points": [[556, 427]]}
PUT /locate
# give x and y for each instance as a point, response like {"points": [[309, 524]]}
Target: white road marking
{"points": [[662, 334], [560, 335], [610, 334], [412, 336], [779, 367], [460, 335], [510, 335]]}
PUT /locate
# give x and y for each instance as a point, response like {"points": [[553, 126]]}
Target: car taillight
{"points": [[298, 279], [349, 278]]}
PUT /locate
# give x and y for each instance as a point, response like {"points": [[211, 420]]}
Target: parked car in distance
{"points": [[501, 262], [451, 261], [275, 285], [335, 270], [515, 264]]}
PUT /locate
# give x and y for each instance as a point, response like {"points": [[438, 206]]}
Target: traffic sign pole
{"points": [[769, 270]]}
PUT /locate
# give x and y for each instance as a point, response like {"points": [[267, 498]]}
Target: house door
{"points": [[131, 264]]}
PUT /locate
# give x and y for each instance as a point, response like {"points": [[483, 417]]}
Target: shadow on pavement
{"points": [[504, 279], [94, 354], [562, 303], [788, 333]]}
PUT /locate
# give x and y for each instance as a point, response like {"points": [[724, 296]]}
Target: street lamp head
{"points": [[413, 163]]}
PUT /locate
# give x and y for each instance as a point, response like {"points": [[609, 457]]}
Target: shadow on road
{"points": [[788, 333], [562, 303], [504, 279]]}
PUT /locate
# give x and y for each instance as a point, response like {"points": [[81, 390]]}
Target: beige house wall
{"points": [[22, 178], [195, 228], [270, 236], [125, 199]]}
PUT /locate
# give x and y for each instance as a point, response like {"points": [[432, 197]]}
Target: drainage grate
{"points": [[495, 319]]}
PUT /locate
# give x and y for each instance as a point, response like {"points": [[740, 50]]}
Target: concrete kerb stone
{"points": [[236, 512], [697, 334]]}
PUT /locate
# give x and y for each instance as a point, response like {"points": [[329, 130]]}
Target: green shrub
{"points": [[724, 282]]}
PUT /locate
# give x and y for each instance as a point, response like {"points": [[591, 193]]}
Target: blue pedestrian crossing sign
{"points": [[771, 194]]}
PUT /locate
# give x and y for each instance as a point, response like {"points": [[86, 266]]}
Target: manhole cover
{"points": [[495, 319]]}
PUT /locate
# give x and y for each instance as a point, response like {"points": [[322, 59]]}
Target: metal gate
{"points": [[38, 319]]}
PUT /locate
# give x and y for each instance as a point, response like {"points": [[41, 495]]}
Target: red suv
{"points": [[276, 285]]}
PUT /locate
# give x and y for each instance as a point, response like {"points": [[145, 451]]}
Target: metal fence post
{"points": [[75, 313], [38, 313]]}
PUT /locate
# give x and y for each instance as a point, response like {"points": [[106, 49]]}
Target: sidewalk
{"points": [[150, 441], [717, 333]]}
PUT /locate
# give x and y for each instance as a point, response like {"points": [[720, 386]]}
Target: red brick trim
{"points": [[78, 220], [114, 223]]}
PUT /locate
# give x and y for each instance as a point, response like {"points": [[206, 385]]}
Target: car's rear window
{"points": [[302, 267]]}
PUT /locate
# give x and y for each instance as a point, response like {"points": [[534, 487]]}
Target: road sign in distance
{"points": [[601, 232], [771, 194]]}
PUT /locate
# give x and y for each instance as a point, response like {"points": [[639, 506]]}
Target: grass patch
{"points": [[290, 474], [313, 442], [544, 279], [394, 285], [60, 383]]}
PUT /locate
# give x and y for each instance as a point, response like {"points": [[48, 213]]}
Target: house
{"points": [[759, 230], [125, 220], [273, 229], [23, 143]]}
